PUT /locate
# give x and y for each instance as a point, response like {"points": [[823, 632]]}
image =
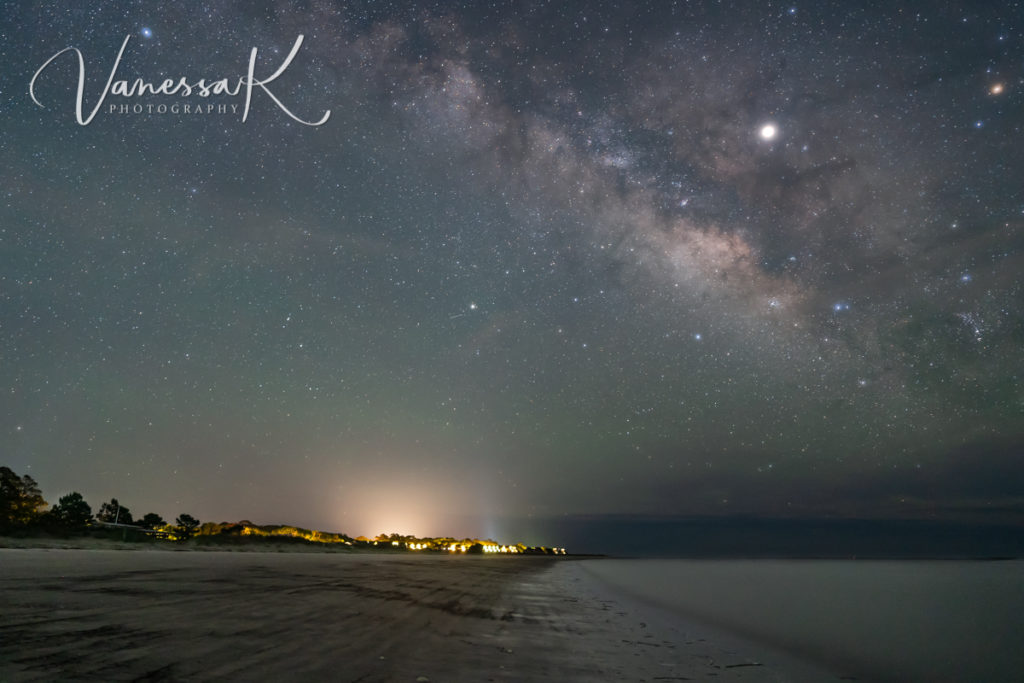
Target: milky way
{"points": [[542, 259]]}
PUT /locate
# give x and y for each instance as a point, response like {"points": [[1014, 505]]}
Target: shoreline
{"points": [[326, 616], [871, 620], [723, 648], [245, 545]]}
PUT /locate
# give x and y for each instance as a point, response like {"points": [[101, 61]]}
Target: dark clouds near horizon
{"points": [[541, 260]]}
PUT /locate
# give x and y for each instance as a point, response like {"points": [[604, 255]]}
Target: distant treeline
{"points": [[246, 530], [24, 511]]}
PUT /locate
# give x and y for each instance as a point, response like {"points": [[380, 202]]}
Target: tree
{"points": [[114, 512], [187, 525], [151, 520], [71, 512], [21, 502]]}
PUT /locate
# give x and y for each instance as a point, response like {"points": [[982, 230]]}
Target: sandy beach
{"points": [[151, 615]]}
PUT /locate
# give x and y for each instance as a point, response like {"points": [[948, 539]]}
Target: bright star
{"points": [[146, 32], [769, 131]]}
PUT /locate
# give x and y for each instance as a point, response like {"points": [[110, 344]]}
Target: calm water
{"points": [[887, 621]]}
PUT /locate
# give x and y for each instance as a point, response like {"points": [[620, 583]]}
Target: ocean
{"points": [[874, 620]]}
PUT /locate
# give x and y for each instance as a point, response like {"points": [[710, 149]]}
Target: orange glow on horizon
{"points": [[415, 507]]}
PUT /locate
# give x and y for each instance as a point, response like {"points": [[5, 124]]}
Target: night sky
{"points": [[544, 260]]}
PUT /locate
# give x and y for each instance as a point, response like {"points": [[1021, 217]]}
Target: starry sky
{"points": [[543, 260]]}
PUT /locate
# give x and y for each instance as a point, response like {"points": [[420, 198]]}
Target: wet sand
{"points": [[152, 615]]}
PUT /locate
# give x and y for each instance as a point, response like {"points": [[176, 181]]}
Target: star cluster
{"points": [[567, 258]]}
